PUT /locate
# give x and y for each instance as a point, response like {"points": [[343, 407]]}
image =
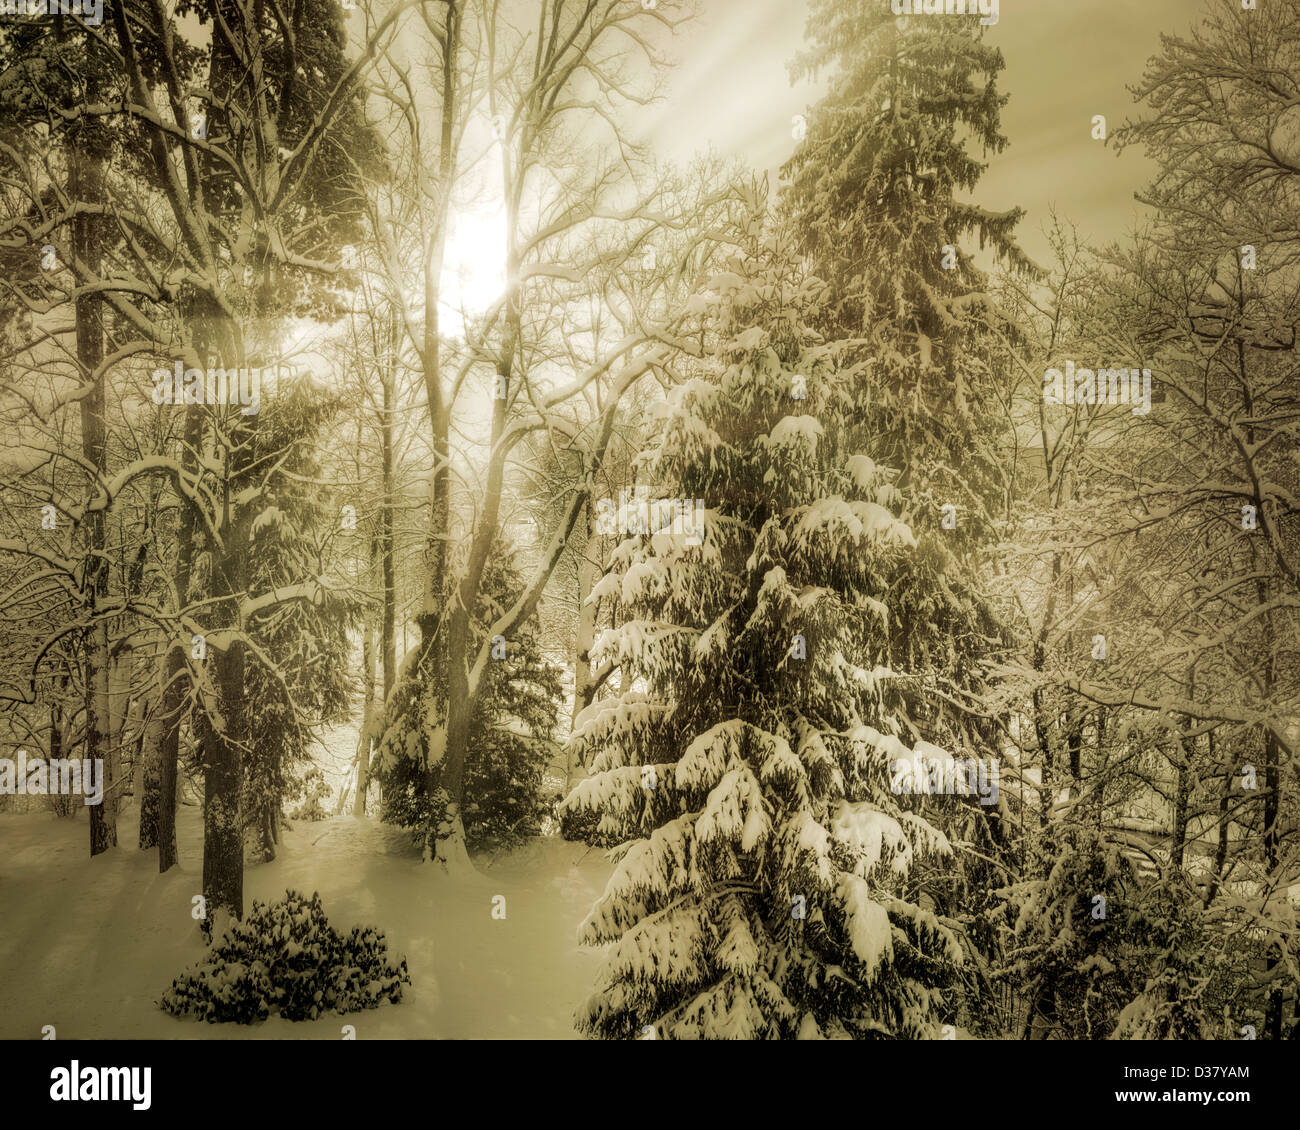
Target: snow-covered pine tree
{"points": [[296, 677], [1097, 953], [511, 736], [762, 890], [873, 193], [876, 194]]}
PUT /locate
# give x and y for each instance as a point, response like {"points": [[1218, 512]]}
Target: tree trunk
{"points": [[436, 651], [56, 752], [119, 715], [1272, 787], [388, 635], [1225, 800], [175, 667], [1272, 784], [223, 775], [150, 778], [223, 734], [449, 848], [87, 185], [584, 686], [388, 615], [367, 718], [1184, 788], [269, 837]]}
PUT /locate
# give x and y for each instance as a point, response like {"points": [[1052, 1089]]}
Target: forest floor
{"points": [[90, 945]]}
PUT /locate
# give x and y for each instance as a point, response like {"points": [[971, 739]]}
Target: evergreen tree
{"points": [[511, 732], [1097, 953], [912, 109], [765, 887], [873, 193], [298, 676]]}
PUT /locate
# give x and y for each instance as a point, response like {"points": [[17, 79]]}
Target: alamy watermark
{"points": [[986, 8], [101, 1084], [945, 776], [57, 776], [637, 513], [1105, 386], [213, 386], [91, 14]]}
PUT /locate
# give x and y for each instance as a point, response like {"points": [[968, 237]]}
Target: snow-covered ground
{"points": [[89, 946]]}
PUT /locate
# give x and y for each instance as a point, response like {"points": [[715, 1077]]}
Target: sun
{"points": [[473, 270], [474, 261]]}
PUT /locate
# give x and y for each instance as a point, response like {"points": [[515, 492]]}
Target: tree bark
{"points": [[1183, 787], [388, 635], [222, 742], [367, 717], [584, 686], [89, 147], [175, 667], [150, 777], [224, 733], [435, 650], [386, 553]]}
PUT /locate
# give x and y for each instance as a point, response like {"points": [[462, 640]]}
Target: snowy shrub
{"points": [[313, 789], [504, 799], [1097, 953], [286, 958]]}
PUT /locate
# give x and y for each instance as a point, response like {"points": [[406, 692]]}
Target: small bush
{"points": [[313, 789], [285, 957]]}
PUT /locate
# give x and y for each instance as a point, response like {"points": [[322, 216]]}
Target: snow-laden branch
{"points": [[509, 621], [1282, 729], [312, 591]]}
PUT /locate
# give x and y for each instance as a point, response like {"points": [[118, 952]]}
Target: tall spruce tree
{"points": [[297, 675], [764, 888], [873, 191]]}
